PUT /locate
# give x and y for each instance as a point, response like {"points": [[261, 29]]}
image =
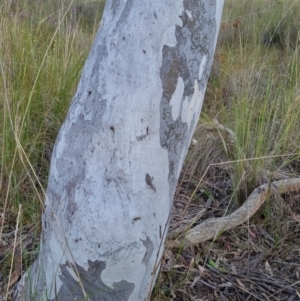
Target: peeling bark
{"points": [[119, 153]]}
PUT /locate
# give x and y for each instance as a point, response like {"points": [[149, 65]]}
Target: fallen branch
{"points": [[184, 227], [211, 228]]}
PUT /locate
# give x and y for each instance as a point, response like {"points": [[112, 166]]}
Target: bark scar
{"points": [[149, 181]]}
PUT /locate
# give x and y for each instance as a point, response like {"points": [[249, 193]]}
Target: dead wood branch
{"points": [[212, 227]]}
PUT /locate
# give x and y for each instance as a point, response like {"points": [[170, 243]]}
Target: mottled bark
{"points": [[119, 153]]}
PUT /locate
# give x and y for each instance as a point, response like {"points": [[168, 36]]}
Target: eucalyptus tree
{"points": [[119, 153]]}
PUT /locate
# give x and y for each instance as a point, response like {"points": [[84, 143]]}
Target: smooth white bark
{"points": [[120, 151]]}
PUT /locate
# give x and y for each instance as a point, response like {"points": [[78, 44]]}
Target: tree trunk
{"points": [[119, 153]]}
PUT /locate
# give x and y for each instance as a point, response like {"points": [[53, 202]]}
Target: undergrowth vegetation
{"points": [[248, 135]]}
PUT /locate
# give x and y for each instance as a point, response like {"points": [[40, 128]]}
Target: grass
{"points": [[253, 92]]}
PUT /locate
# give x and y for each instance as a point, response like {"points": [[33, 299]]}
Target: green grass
{"points": [[253, 92]]}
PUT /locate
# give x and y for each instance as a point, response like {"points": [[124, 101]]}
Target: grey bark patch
{"points": [[195, 39], [102, 53], [91, 284], [125, 13], [114, 6], [70, 165], [72, 207], [149, 250], [140, 138]]}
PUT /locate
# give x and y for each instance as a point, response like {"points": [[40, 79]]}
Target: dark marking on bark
{"points": [[140, 138], [144, 51], [125, 13], [69, 187], [136, 219], [149, 250], [149, 182], [112, 129], [72, 207], [90, 284], [114, 6], [155, 15], [102, 53]]}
